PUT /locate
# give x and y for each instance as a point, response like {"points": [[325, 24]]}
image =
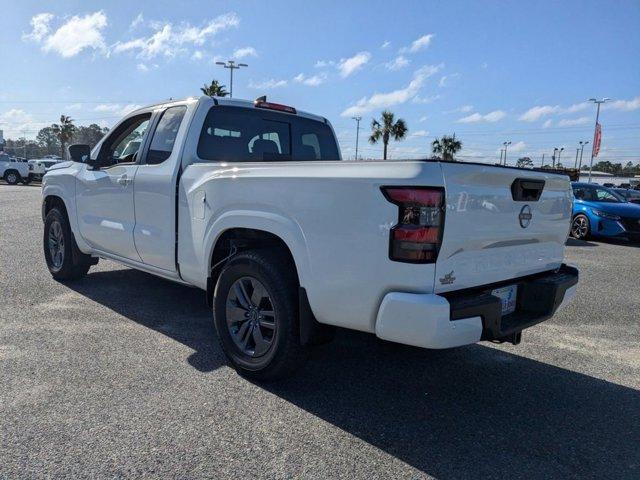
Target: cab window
{"points": [[238, 134], [165, 135], [123, 144]]}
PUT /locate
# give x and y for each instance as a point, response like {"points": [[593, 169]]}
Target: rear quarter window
{"points": [[238, 134]]}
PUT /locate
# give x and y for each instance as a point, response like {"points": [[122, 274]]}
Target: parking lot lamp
{"points": [[231, 65]]}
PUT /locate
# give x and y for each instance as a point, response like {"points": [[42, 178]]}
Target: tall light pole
{"points": [[553, 158], [357, 119], [582, 144], [575, 164], [595, 131], [559, 153], [506, 144], [542, 160], [501, 151], [231, 65]]}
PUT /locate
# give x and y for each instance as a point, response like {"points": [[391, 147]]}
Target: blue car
{"points": [[599, 211]]}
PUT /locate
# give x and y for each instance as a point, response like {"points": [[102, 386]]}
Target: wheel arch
{"points": [[236, 239], [51, 201]]}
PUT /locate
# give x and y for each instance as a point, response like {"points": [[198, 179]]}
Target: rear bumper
{"points": [[468, 316]]}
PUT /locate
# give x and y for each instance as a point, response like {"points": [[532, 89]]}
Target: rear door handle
{"points": [[123, 180]]}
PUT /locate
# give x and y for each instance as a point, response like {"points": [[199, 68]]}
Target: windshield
{"points": [[596, 194]]}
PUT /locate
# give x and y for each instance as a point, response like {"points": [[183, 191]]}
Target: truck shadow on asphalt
{"points": [[472, 412]]}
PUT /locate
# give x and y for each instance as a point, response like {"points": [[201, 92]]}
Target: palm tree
{"points": [[446, 147], [215, 89], [64, 132], [386, 129]]}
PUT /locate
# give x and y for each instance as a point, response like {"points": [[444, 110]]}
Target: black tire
{"points": [[580, 227], [72, 264], [273, 271], [27, 180], [12, 177]]}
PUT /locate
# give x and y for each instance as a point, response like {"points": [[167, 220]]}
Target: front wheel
{"points": [[12, 177], [580, 227], [256, 315], [64, 260]]}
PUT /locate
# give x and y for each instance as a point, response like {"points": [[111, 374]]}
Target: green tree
{"points": [[48, 140], [446, 147], [524, 162], [89, 135], [387, 129], [215, 89], [64, 132]]}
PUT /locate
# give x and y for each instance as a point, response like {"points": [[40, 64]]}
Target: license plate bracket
{"points": [[508, 296]]}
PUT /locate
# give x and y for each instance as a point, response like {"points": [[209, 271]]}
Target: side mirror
{"points": [[79, 152]]}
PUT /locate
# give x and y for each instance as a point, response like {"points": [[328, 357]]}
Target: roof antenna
{"points": [[261, 99]]}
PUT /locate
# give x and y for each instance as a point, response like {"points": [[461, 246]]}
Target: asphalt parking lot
{"points": [[120, 375]]}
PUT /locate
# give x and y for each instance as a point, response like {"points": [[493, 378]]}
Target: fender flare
{"points": [[55, 190], [285, 228]]}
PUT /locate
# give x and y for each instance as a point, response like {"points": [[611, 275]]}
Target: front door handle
{"points": [[123, 180]]}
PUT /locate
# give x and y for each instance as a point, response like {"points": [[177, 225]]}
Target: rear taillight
{"points": [[417, 236]]}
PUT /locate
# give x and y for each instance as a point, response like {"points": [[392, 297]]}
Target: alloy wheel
{"points": [[56, 244], [580, 227], [251, 317]]}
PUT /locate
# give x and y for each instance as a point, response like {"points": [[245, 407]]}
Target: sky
{"points": [[490, 72]]}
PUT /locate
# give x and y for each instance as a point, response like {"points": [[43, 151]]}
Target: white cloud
{"points": [[462, 109], [268, 84], [398, 63], [418, 44], [350, 65], [625, 105], [116, 108], [425, 100], [142, 67], [489, 117], [577, 107], [139, 20], [517, 147], [445, 78], [547, 124], [14, 122], [312, 81], [573, 121], [537, 112], [324, 63], [169, 40], [389, 99], [75, 35], [197, 55], [39, 27], [423, 119], [385, 44], [420, 133], [74, 106], [243, 52]]}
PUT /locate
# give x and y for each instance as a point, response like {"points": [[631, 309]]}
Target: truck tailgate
{"points": [[494, 232]]}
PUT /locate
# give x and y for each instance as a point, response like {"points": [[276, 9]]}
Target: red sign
{"points": [[597, 137]]}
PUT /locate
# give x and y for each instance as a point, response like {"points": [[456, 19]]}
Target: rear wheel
{"points": [[256, 315], [64, 260], [580, 227], [12, 177]]}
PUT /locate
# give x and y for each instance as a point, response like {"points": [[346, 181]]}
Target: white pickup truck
{"points": [[251, 202], [13, 171]]}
